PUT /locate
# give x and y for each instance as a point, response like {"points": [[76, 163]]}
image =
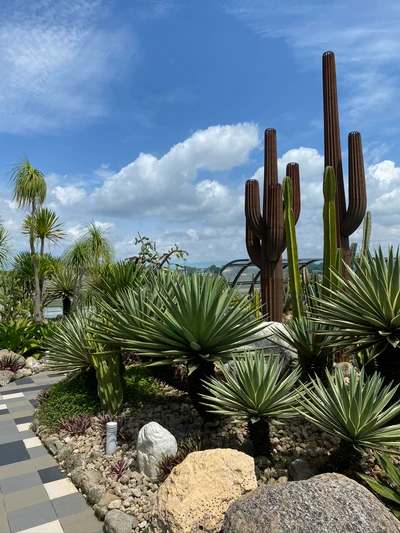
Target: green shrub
{"points": [[24, 337], [69, 398], [139, 384]]}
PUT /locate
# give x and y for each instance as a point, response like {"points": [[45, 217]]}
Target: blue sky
{"points": [[147, 115]]}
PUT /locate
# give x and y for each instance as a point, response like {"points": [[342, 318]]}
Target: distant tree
{"points": [[29, 192]]}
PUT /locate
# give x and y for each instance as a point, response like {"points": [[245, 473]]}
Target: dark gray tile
{"points": [[16, 406], [51, 474], [13, 452], [24, 381], [32, 516], [70, 505], [30, 389], [22, 482], [23, 419], [35, 403]]}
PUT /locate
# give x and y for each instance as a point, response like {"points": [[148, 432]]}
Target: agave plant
{"points": [[366, 313], [390, 494], [254, 391], [191, 322], [358, 414], [74, 349], [315, 354]]}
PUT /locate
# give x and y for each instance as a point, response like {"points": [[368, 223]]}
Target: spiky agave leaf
{"points": [[190, 321], [255, 390], [359, 414], [366, 313], [389, 494]]}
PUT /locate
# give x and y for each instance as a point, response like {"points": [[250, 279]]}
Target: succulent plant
{"points": [[77, 425]]}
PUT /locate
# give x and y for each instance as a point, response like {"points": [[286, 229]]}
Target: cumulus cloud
{"points": [[69, 195], [166, 186]]}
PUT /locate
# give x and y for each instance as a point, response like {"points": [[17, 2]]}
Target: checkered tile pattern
{"points": [[35, 496]]}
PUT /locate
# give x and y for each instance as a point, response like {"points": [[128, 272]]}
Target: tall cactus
{"points": [[349, 218], [292, 254], [265, 233]]}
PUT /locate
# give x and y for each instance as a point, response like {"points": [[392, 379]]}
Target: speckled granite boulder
{"points": [[329, 503]]}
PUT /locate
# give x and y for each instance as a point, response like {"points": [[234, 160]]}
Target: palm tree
{"points": [[29, 192], [61, 286], [99, 246], [5, 246], [45, 225]]}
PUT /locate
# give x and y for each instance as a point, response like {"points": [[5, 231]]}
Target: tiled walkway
{"points": [[35, 496]]}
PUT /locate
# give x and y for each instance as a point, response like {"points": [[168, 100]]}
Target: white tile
{"points": [[32, 442], [61, 487], [23, 427], [50, 527], [13, 395], [3, 406]]}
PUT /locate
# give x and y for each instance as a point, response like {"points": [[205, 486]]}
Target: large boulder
{"points": [[198, 491], [272, 344], [324, 504], [153, 442], [5, 377]]}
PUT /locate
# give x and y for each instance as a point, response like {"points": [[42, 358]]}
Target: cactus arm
{"points": [[329, 219], [293, 172], [253, 246], [252, 208], [366, 233], [357, 188], [293, 259]]}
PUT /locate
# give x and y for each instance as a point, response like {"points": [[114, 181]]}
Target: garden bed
{"points": [[120, 485]]}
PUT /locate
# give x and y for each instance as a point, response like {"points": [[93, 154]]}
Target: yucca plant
{"points": [[190, 322], [315, 354], [254, 391], [366, 313], [74, 349], [390, 494], [358, 414]]}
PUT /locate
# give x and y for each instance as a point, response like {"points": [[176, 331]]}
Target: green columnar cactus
{"points": [[329, 218], [265, 232], [366, 234], [292, 254], [348, 218]]}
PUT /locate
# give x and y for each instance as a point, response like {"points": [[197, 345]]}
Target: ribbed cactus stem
{"points": [[366, 233], [109, 382], [292, 253], [329, 218]]}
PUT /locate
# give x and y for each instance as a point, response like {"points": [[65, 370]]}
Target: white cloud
{"points": [[164, 187], [56, 59], [68, 195]]}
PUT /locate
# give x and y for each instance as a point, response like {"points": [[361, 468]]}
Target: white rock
{"points": [[30, 362], [153, 442]]}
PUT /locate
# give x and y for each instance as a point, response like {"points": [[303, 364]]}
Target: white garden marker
{"points": [[111, 439]]}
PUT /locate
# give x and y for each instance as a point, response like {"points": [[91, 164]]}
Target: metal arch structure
{"points": [[244, 264]]}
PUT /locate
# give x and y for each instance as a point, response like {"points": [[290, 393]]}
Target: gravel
{"points": [[292, 440]]}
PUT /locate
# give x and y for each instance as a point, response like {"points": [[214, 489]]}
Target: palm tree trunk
{"points": [[196, 388], [37, 317], [66, 306]]}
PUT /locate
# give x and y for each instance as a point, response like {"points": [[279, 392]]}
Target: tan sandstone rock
{"points": [[198, 492]]}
